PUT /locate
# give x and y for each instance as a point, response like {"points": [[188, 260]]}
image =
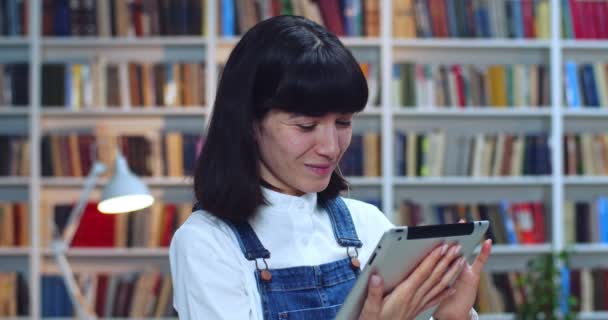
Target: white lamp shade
{"points": [[125, 192]]}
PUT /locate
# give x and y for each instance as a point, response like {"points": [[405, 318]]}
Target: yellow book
{"points": [[371, 156], [76, 87], [404, 23], [75, 155], [175, 158], [498, 97], [541, 21], [600, 80]]}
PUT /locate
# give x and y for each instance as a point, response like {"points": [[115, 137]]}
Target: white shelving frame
{"points": [[504, 258]]}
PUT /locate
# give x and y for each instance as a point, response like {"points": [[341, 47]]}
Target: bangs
{"points": [[319, 82]]}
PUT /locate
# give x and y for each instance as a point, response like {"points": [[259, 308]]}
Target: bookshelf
{"points": [[385, 118]]}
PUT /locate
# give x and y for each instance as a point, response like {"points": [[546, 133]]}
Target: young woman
{"points": [[270, 237]]}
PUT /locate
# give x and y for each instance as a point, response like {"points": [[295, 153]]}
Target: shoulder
{"points": [[367, 216], [202, 231]]}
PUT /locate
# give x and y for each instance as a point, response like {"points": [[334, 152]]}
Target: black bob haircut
{"points": [[287, 63]]}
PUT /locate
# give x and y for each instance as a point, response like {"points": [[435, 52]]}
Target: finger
{"points": [[373, 302], [483, 256], [447, 278], [438, 272], [439, 298], [422, 272], [461, 221]]}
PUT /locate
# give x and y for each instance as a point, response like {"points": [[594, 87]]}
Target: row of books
{"points": [[118, 18], [471, 19], [132, 294], [15, 151], [504, 154], [584, 19], [585, 85], [13, 17], [14, 297], [586, 154], [100, 84], [14, 224], [588, 286], [586, 221], [461, 86], [500, 292], [152, 227], [363, 156], [510, 222], [14, 84], [353, 18], [158, 154]]}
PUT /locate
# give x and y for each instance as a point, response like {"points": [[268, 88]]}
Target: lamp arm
{"points": [[78, 210], [83, 308]]}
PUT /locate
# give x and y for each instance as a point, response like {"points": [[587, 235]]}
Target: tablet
{"points": [[400, 250]]}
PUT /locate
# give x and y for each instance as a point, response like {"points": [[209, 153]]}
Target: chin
{"points": [[315, 186]]}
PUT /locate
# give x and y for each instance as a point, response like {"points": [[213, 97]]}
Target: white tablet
{"points": [[400, 250]]}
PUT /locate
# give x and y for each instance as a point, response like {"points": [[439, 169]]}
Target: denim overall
{"points": [[305, 292]]}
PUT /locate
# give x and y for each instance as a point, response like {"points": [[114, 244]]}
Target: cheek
{"points": [[344, 140]]}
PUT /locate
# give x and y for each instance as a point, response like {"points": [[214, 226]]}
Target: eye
{"points": [[344, 123], [306, 127]]}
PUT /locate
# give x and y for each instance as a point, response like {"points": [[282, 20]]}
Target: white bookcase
{"points": [[554, 189]]}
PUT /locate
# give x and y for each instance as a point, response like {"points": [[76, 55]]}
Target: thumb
{"points": [[373, 302]]}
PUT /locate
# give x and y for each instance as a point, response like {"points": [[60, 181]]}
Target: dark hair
{"points": [[287, 63]]}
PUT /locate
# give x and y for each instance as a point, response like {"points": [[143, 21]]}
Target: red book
{"points": [[100, 295], [330, 11], [577, 18], [524, 222], [168, 226], [459, 85], [95, 229], [538, 212], [601, 12], [443, 19], [276, 8], [527, 11], [589, 29], [137, 8]]}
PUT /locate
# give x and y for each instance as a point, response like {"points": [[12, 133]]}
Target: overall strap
{"points": [[248, 241], [342, 223]]}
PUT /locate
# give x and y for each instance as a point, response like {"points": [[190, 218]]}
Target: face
{"points": [[299, 153]]}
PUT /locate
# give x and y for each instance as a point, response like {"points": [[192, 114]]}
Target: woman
{"points": [[270, 237]]}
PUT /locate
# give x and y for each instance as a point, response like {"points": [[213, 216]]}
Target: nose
{"points": [[328, 143]]}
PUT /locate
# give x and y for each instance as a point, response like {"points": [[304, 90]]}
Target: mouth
{"points": [[320, 169]]}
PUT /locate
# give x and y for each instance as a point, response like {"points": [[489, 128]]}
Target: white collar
{"points": [[285, 202]]}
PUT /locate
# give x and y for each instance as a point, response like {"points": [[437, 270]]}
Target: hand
{"points": [[459, 305], [426, 286]]}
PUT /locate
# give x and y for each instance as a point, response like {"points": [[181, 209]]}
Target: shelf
{"points": [[14, 181], [364, 181], [347, 41], [132, 112], [14, 111], [75, 182], [13, 41], [167, 41], [586, 113], [591, 255], [110, 259], [473, 181], [596, 315], [520, 112], [513, 257], [472, 43], [14, 252], [599, 44], [118, 253], [497, 316], [586, 180]]}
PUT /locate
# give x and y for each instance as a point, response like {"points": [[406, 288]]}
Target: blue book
{"points": [[352, 17], [62, 18], [451, 13], [508, 222], [566, 20], [602, 211], [400, 158], [67, 86], [13, 18], [589, 86], [565, 286], [573, 98], [518, 20], [228, 18]]}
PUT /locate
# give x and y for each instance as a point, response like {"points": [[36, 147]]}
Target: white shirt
{"points": [[213, 280]]}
